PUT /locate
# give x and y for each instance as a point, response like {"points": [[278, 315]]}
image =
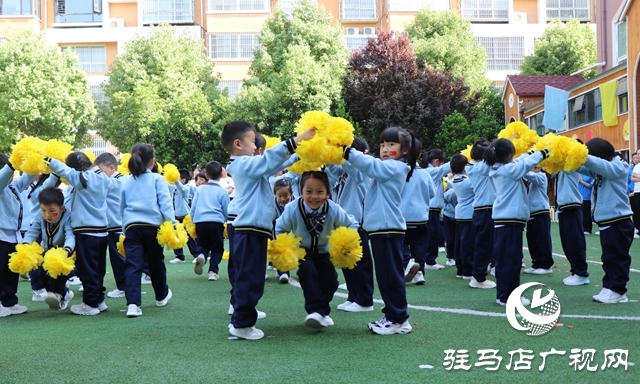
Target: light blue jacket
{"points": [[538, 197], [253, 204], [210, 204], [182, 198], [416, 195], [382, 214], [88, 206], [12, 210], [567, 192], [437, 173], [512, 202], [610, 199], [60, 234], [483, 188], [351, 195], [114, 217], [145, 200], [292, 220], [450, 202], [464, 193]]}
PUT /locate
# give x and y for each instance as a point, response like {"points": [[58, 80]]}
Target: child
{"points": [[437, 168], [539, 224], [613, 216], [254, 207], [449, 221], [415, 210], [10, 223], [87, 200], [201, 179], [53, 226], [313, 217], [385, 224], [183, 194], [144, 205], [209, 213], [510, 212], [283, 195], [109, 164]]}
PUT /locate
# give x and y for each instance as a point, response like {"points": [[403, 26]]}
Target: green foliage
{"points": [[162, 90], [564, 48], [445, 41], [299, 67], [43, 92]]}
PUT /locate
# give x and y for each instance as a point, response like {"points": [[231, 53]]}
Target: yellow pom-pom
{"points": [[467, 152], [520, 135], [345, 248], [160, 169], [28, 156], [565, 154], [172, 238], [123, 167], [56, 263], [339, 132], [225, 233], [332, 133], [90, 155], [27, 257], [576, 156], [301, 167], [171, 173], [120, 245], [285, 252], [191, 227], [317, 119], [271, 141], [57, 149], [225, 255]]}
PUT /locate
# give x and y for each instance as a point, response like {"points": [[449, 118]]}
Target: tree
{"points": [[444, 41], [384, 87], [564, 48], [299, 67], [43, 92], [161, 91]]}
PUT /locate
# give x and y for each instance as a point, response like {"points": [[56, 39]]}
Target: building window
{"points": [[358, 9], [503, 53], [621, 41], [232, 45], [98, 94], [416, 5], [485, 10], [623, 96], [16, 7], [172, 11], [93, 59], [78, 11], [237, 5], [356, 42], [568, 9], [535, 122], [232, 87], [585, 109]]}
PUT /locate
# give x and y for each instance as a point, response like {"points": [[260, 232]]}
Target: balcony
{"points": [[169, 11], [78, 11], [485, 10]]}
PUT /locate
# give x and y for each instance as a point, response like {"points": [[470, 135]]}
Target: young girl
{"points": [[145, 204], [438, 169], [283, 196], [613, 216], [384, 222], [313, 217], [510, 212]]}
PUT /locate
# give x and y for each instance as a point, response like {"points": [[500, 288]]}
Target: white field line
{"points": [[588, 261]]}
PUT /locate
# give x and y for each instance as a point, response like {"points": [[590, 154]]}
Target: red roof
{"points": [[534, 85]]}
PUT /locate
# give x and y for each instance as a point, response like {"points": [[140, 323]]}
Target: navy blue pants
{"points": [[319, 281], [117, 260], [230, 265], [56, 285], [483, 251], [587, 222], [449, 227], [508, 253], [192, 244], [360, 279], [539, 241], [387, 255], [8, 279], [615, 241], [143, 251], [250, 261], [465, 238], [211, 240], [91, 266], [572, 239], [434, 229], [415, 245]]}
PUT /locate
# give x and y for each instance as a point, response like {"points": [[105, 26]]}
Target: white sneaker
{"points": [[102, 306], [608, 296], [528, 270], [15, 310], [385, 327], [213, 276], [542, 271], [230, 311], [523, 300], [317, 321], [418, 279], [343, 287], [598, 233], [487, 284], [176, 261], [53, 300], [266, 277], [442, 249], [342, 306], [450, 263], [200, 260], [163, 302], [81, 289], [84, 310], [410, 270], [270, 268], [115, 294], [67, 298], [145, 279], [194, 261], [133, 311], [39, 295], [75, 280], [434, 267], [261, 315], [574, 280], [249, 333], [355, 307], [493, 271], [284, 278], [328, 321], [636, 236]]}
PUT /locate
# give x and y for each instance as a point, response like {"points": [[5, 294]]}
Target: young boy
{"points": [[183, 194], [255, 210], [209, 213], [53, 225]]}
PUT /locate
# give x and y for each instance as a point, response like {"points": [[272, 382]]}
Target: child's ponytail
{"points": [[412, 156], [141, 155]]}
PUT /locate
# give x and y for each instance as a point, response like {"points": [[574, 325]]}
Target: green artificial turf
{"points": [[186, 341]]}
